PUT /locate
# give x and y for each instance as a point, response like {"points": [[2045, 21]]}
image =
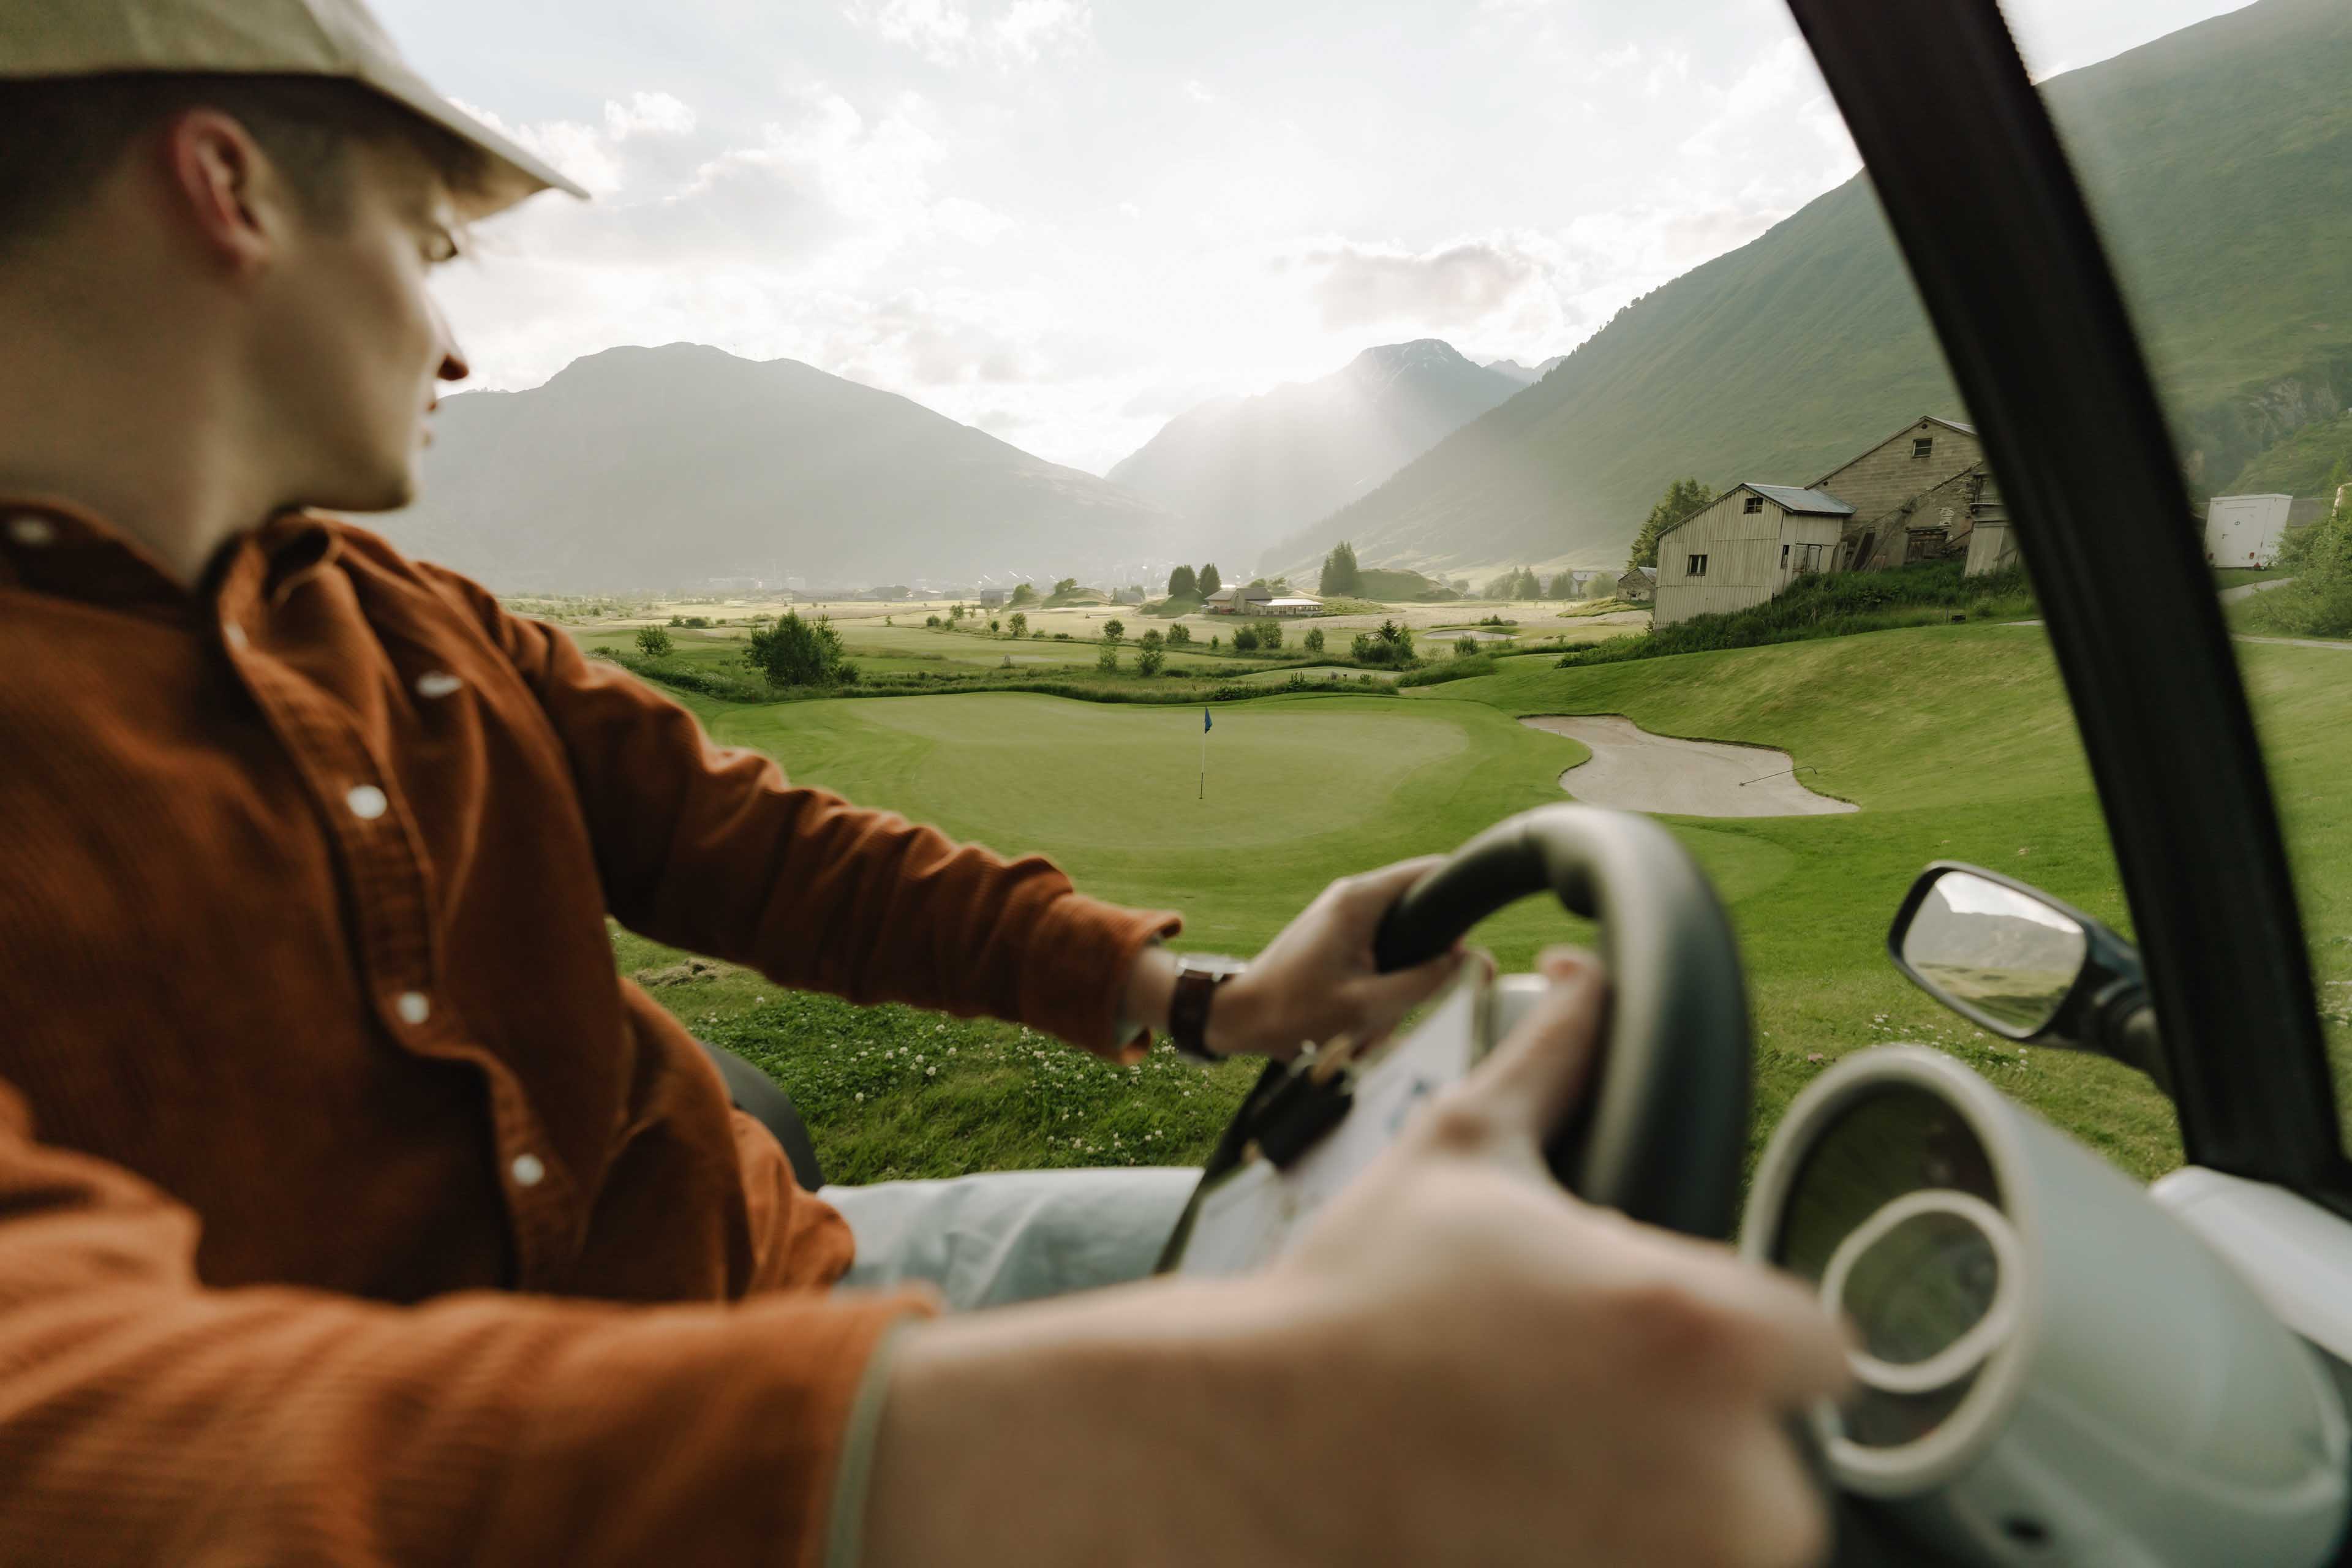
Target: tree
{"points": [[1683, 498], [1269, 633], [1529, 586], [1564, 586], [1178, 635], [795, 652], [1150, 639], [1244, 639], [1113, 631], [1064, 585], [1022, 594], [994, 625], [1209, 581], [1147, 659], [930, 620], [1314, 639], [1183, 584], [1108, 659], [1020, 625], [1341, 576], [653, 642]]}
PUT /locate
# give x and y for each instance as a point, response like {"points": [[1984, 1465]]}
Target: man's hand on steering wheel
{"points": [[1316, 981]]}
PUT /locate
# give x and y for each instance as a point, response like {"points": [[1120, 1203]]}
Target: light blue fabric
{"points": [[1013, 1235]]}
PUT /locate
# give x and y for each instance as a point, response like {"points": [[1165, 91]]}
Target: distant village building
{"points": [[1639, 585], [1753, 542], [738, 584], [991, 598], [1261, 600]]}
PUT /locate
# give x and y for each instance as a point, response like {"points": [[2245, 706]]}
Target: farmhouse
{"points": [[1914, 496], [1638, 585], [991, 598], [1753, 542]]}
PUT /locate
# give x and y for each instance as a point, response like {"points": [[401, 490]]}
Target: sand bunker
{"points": [[1632, 769]]}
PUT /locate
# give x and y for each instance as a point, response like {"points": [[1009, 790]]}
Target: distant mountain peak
{"points": [[1256, 468]]}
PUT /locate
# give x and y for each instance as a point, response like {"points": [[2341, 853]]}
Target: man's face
{"points": [[350, 342]]}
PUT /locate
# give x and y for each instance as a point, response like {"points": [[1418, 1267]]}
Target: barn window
{"points": [[1923, 445], [1784, 558], [1754, 504], [1696, 566]]}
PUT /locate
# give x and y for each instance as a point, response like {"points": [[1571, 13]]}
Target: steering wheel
{"points": [[1664, 1125]]}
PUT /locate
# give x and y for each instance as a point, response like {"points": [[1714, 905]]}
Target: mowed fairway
{"points": [[1956, 742]]}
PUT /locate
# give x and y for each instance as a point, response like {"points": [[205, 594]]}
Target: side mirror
{"points": [[2016, 963]]}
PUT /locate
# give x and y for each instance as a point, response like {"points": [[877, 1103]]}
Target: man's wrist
{"points": [[1151, 986]]}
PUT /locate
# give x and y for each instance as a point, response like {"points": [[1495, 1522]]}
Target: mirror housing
{"points": [[2018, 964]]}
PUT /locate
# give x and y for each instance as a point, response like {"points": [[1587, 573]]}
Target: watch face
{"points": [[1211, 964]]}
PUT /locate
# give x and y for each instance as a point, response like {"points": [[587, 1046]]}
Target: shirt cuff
{"points": [[844, 1542]]}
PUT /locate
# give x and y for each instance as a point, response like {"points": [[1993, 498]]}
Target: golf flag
{"points": [[1207, 725]]}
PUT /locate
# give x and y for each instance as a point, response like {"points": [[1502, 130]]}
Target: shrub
{"points": [[1465, 646], [1246, 640], [1113, 631], [1020, 625], [1451, 670], [795, 652], [1314, 639], [1106, 660], [1212, 643], [930, 620], [1269, 635], [1148, 658], [1178, 636], [653, 642]]}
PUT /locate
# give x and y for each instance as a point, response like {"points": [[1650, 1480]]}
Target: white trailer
{"points": [[2245, 530]]}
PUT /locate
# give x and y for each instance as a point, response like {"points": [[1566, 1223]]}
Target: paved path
{"points": [[2249, 590], [1632, 769]]}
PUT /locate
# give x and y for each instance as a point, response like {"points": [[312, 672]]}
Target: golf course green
{"points": [[1956, 742]]}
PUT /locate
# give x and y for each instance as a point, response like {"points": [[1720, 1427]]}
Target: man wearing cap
{"points": [[351, 1211]]}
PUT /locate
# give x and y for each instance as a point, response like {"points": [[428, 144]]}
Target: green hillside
{"points": [[2219, 160]]}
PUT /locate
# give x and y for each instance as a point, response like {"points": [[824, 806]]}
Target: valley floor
{"points": [[1954, 742]]}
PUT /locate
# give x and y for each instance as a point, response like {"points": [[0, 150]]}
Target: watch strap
{"points": [[1188, 1011]]}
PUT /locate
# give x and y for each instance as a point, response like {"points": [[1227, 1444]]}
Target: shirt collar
{"points": [[55, 547]]}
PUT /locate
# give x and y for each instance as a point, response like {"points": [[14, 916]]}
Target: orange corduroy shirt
{"points": [[353, 1210]]}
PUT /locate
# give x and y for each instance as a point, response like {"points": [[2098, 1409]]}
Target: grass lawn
{"points": [[1956, 741]]}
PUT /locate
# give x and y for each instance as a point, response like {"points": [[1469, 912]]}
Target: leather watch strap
{"points": [[1188, 1010]]}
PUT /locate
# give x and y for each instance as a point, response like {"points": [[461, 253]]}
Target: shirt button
{"points": [[436, 684], [234, 634], [367, 802], [414, 1006], [527, 1171], [32, 533]]}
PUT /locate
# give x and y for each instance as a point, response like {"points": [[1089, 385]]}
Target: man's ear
{"points": [[224, 189]]}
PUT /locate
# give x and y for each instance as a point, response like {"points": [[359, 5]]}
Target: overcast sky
{"points": [[1067, 220]]}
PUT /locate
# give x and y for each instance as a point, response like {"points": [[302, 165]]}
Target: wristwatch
{"points": [[1197, 978]]}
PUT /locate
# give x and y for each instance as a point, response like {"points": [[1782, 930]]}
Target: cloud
{"points": [[591, 154], [944, 32], [1456, 285]]}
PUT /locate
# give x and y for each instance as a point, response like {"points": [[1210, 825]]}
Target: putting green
{"points": [[1021, 771]]}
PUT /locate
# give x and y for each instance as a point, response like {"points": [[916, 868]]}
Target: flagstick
{"points": [[1204, 764]]}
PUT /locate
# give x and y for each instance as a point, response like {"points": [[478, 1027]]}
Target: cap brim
{"points": [[514, 174]]}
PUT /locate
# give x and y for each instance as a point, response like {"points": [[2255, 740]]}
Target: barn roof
{"points": [[1805, 502]]}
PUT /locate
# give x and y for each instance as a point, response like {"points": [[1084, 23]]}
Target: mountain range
{"points": [[1243, 470], [642, 467], [2219, 162]]}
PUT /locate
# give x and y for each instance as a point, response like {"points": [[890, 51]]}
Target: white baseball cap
{"points": [[54, 38]]}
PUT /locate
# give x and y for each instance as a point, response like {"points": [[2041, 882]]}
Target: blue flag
{"points": [[1207, 723]]}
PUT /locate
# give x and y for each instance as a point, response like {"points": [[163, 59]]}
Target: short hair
{"points": [[59, 137]]}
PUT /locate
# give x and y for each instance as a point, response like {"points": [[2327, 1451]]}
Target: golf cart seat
{"points": [[755, 1094]]}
